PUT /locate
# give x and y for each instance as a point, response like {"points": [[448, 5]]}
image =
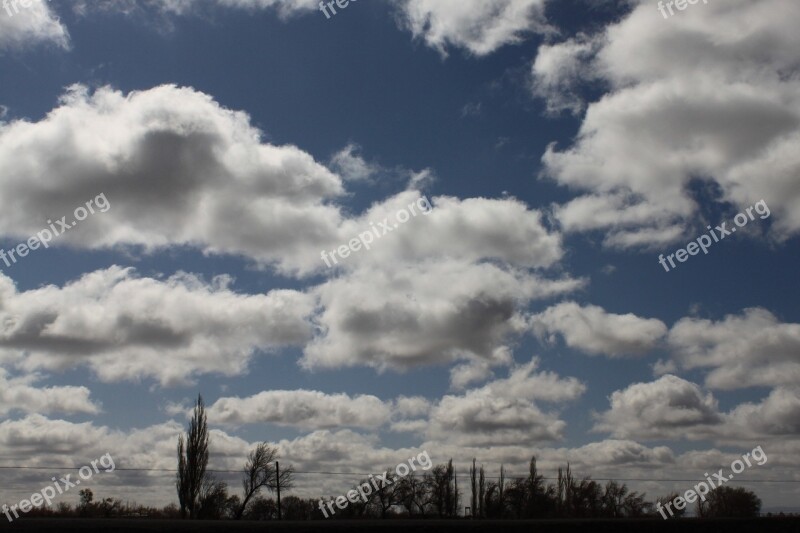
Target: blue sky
{"points": [[563, 147]]}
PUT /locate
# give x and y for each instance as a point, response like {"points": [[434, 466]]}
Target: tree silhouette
{"points": [[729, 502], [260, 472], [192, 461]]}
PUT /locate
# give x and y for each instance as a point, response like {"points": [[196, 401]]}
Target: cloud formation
{"points": [[595, 331], [21, 394], [656, 410], [301, 408], [37, 24], [124, 327], [479, 26], [505, 411], [708, 96], [748, 350]]}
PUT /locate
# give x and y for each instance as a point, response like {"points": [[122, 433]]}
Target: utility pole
{"points": [[278, 475]]}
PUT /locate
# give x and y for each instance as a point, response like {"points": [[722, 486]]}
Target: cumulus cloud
{"points": [[671, 405], [558, 71], [301, 408], [615, 453], [593, 330], [414, 315], [21, 394], [351, 165], [658, 409], [748, 350], [124, 327], [30, 26], [176, 167], [470, 230], [479, 26], [465, 374], [776, 415], [710, 95], [505, 411]]}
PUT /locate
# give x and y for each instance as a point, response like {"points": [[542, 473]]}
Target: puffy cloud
{"points": [[749, 350], [711, 95], [32, 25], [479, 26], [21, 394], [558, 69], [301, 408], [351, 165], [777, 415], [175, 167], [658, 409], [413, 315], [470, 230], [411, 406], [504, 411], [127, 328], [591, 329], [615, 453], [464, 374]]}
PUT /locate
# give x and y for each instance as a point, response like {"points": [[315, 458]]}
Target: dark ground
{"points": [[783, 525]]}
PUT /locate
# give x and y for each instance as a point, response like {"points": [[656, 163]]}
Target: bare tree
{"points": [[213, 499], [259, 472], [387, 495], [473, 478], [729, 502], [192, 461], [481, 493]]}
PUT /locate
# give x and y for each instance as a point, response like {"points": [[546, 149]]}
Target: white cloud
{"points": [[20, 394], [504, 411], [414, 315], [558, 69], [479, 26], [672, 406], [128, 328], [749, 350], [301, 408], [411, 406], [351, 166], [659, 409], [710, 94], [470, 230], [32, 25], [176, 167], [776, 415], [615, 453], [591, 329], [472, 372]]}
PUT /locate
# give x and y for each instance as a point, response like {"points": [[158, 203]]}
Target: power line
{"points": [[362, 474]]}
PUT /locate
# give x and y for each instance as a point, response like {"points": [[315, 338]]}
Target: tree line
{"points": [[434, 494]]}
